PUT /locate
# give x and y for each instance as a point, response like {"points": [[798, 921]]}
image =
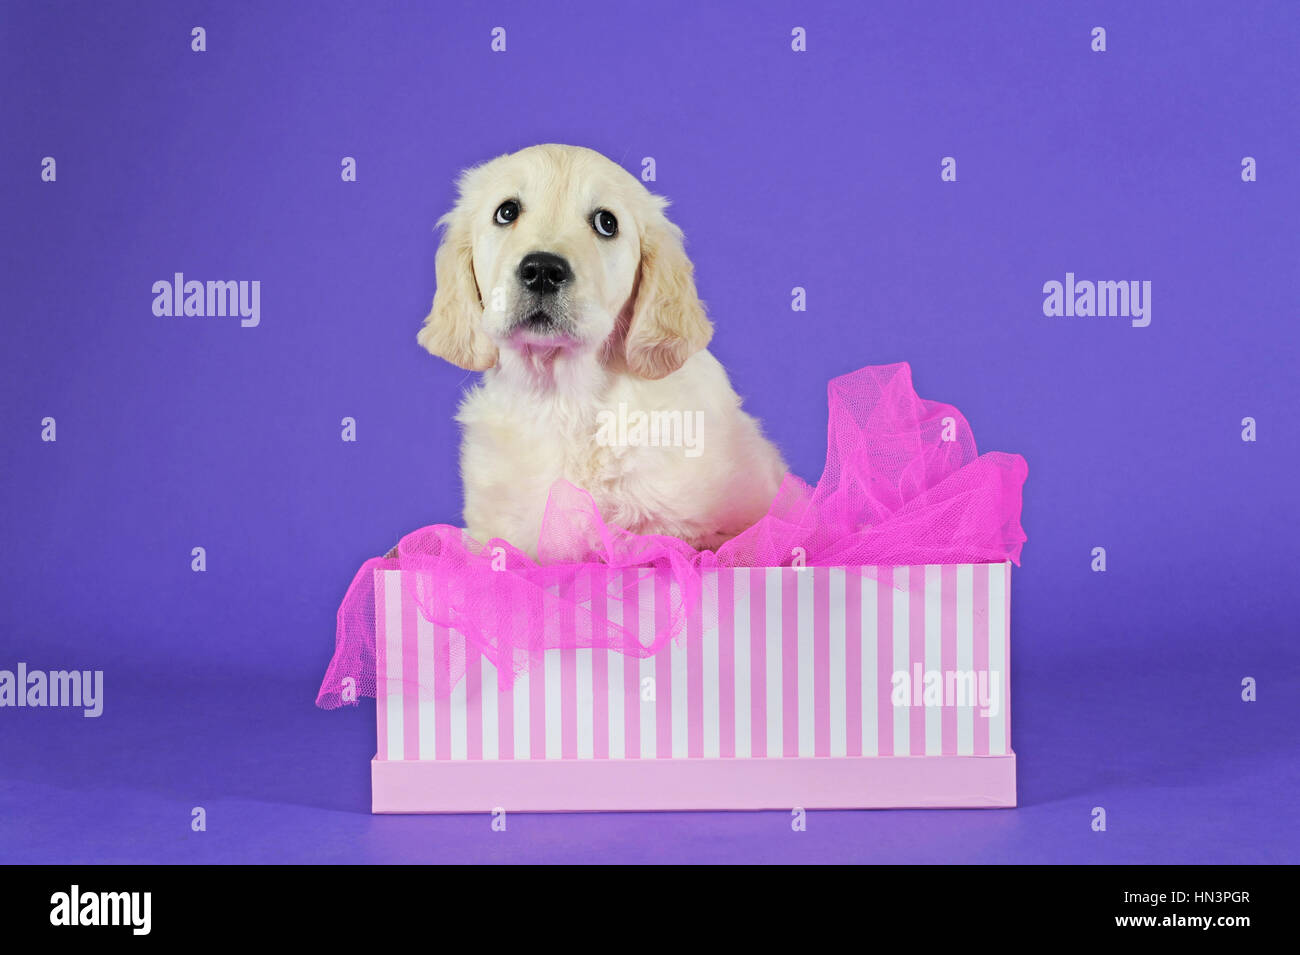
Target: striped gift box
{"points": [[817, 687]]}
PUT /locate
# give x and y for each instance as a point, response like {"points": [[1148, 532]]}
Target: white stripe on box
{"points": [[806, 707], [491, 733], [459, 703], [426, 664], [740, 641], [774, 712], [523, 732], [902, 664], [395, 690], [870, 699], [647, 707], [677, 665], [554, 702], [965, 654], [997, 656], [933, 657], [617, 612], [586, 704], [552, 712], [712, 682], [838, 669], [646, 612]]}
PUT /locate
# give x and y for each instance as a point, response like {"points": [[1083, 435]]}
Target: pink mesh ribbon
{"points": [[903, 484]]}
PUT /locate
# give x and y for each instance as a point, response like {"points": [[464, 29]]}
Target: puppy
{"points": [[561, 279]]}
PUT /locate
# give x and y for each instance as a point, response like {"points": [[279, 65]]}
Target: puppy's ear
{"points": [[452, 330], [668, 322]]}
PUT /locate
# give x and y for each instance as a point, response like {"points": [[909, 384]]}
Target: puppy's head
{"points": [[556, 251]]}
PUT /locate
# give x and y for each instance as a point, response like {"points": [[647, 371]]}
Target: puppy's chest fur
{"points": [[541, 442], [515, 448], [517, 442]]}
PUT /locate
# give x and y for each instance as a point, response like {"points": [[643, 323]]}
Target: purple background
{"points": [[818, 169]]}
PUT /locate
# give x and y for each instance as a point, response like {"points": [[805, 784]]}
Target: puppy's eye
{"points": [[605, 223], [507, 212]]}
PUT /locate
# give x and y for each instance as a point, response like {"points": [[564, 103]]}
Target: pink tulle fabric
{"points": [[903, 484]]}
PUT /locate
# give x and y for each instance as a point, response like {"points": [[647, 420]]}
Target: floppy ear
{"points": [[451, 330], [668, 322]]}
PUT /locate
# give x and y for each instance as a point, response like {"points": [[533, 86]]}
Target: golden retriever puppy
{"points": [[561, 279]]}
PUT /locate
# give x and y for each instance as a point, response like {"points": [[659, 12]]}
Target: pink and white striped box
{"points": [[820, 687]]}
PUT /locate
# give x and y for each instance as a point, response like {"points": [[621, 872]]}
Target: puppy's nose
{"points": [[544, 272]]}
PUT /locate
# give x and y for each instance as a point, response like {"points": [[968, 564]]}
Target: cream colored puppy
{"points": [[560, 278]]}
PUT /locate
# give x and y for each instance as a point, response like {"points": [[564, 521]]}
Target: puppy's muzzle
{"points": [[544, 273]]}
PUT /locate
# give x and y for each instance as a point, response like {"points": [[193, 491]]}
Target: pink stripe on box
{"points": [[663, 665], [382, 688], [1006, 654], [473, 701], [790, 662], [631, 666], [981, 661], [726, 664], [884, 659], [441, 702], [442, 668], [948, 651], [853, 661], [410, 679], [598, 584], [568, 675], [821, 661], [694, 688], [537, 688], [505, 720], [916, 655], [757, 660]]}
